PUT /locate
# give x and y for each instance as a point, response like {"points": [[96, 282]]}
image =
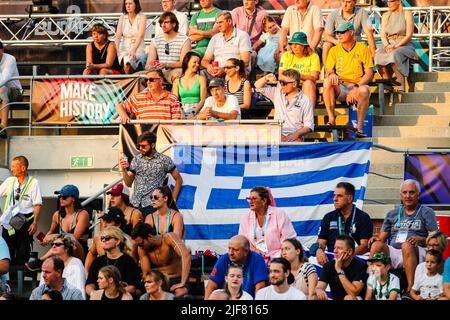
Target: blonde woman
{"points": [[156, 284], [397, 26], [111, 288], [118, 251]]}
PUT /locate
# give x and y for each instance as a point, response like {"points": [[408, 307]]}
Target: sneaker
{"points": [[3, 134], [406, 296], [33, 265]]}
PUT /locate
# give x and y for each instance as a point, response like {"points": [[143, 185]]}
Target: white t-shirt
{"points": [[245, 295], [75, 275], [231, 104], [380, 292], [183, 23], [8, 70], [29, 199], [428, 287], [269, 293]]}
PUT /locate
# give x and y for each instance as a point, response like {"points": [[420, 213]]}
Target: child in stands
{"points": [[381, 284], [428, 286], [266, 56]]}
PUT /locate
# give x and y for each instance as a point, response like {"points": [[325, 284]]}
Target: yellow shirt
{"points": [[303, 65], [349, 65]]}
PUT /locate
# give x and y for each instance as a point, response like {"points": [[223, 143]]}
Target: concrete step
{"points": [[430, 77], [415, 120], [376, 181], [389, 169], [424, 97], [377, 211], [411, 143], [383, 156], [432, 87], [382, 193], [411, 131], [441, 109]]}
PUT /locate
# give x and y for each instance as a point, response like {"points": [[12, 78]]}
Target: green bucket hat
{"points": [[380, 256], [345, 26], [300, 38]]}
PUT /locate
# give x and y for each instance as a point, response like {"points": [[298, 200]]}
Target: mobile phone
{"points": [[40, 236]]}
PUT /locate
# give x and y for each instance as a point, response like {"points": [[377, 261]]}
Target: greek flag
{"points": [[302, 178]]}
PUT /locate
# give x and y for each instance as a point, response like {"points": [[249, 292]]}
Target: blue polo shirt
{"points": [[358, 226], [254, 271]]}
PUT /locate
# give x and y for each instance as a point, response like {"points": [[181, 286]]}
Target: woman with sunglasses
{"points": [[397, 27], [233, 283], [156, 284], [190, 88], [265, 226], [305, 61], [70, 218], [304, 272], [111, 287], [237, 85], [130, 36], [167, 217], [63, 247], [117, 253]]}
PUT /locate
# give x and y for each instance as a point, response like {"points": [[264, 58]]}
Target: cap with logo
{"points": [[69, 191], [119, 190]]}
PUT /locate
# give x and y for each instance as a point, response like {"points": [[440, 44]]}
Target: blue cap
{"points": [[69, 190]]}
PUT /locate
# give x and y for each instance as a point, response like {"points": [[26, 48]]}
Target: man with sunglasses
{"points": [[21, 211], [357, 16], [154, 104], [168, 49], [148, 170], [164, 252], [348, 70], [291, 106]]}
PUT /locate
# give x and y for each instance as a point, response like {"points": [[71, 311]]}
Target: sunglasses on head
{"points": [[167, 49], [106, 238], [153, 79], [284, 83], [56, 244]]}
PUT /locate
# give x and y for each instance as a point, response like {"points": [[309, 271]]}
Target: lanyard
{"points": [[263, 226], [167, 222], [400, 209], [380, 293], [340, 222]]}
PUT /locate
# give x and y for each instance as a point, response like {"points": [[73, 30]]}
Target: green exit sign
{"points": [[81, 162]]}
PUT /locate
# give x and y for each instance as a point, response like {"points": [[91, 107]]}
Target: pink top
{"points": [[278, 228], [242, 21]]}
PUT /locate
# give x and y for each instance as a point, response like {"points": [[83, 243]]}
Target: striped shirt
{"points": [[145, 108], [173, 52]]}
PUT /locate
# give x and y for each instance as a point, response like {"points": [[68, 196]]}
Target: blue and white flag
{"points": [[217, 180]]}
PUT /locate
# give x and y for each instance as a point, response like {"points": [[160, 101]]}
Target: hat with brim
{"points": [[380, 256], [299, 38], [69, 191], [113, 213], [118, 190], [345, 26], [216, 82]]}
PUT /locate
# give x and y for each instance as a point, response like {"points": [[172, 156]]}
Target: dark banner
{"points": [[433, 172], [83, 101]]}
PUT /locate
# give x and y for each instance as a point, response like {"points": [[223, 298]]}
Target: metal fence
{"points": [[432, 25]]}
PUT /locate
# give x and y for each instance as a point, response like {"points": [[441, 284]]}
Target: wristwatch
{"points": [[341, 273]]}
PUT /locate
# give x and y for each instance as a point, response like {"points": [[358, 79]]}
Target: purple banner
{"points": [[433, 172]]}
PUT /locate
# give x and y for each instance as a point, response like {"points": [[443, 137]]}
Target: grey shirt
{"points": [[149, 175], [167, 296], [359, 18], [68, 292], [420, 223]]}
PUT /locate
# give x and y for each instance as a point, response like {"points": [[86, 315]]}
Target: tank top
{"points": [[192, 95], [99, 56], [239, 93], [105, 298], [157, 227], [129, 226]]}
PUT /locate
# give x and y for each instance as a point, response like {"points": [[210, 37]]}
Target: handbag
{"points": [[18, 221]]}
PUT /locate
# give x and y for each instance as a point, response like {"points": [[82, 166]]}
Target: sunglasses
{"points": [[340, 32], [229, 67], [56, 244], [155, 198], [167, 49], [17, 194], [284, 83], [63, 197], [106, 238], [153, 79]]}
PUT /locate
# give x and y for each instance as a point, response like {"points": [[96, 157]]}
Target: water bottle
{"points": [[124, 158]]}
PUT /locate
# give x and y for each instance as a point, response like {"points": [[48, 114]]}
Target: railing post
{"points": [[30, 105], [430, 30]]}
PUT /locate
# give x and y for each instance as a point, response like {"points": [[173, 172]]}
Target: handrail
{"points": [[408, 151]]}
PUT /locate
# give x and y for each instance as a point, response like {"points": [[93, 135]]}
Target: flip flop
{"points": [[360, 134]]}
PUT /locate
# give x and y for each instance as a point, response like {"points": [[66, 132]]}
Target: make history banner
{"points": [[432, 172], [82, 101]]}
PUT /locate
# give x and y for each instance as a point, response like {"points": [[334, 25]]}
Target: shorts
{"points": [[345, 89], [397, 256]]}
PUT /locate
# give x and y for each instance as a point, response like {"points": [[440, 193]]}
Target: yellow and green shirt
{"points": [[304, 65]]}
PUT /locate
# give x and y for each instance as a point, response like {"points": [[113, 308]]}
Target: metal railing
{"points": [[431, 25]]}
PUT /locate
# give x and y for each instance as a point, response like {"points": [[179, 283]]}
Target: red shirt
{"points": [[146, 108]]}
